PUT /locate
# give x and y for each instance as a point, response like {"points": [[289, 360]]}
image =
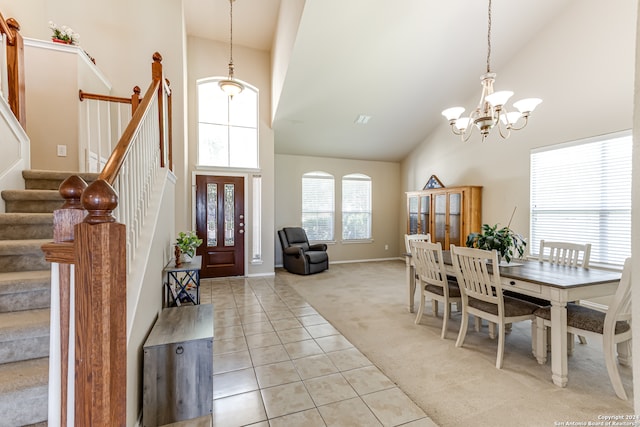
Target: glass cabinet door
{"points": [[440, 220], [425, 207], [455, 220], [412, 206]]}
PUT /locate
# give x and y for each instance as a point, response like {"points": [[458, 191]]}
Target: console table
{"points": [[182, 283]]}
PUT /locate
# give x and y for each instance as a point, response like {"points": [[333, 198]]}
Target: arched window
{"points": [[356, 207], [227, 128], [318, 205]]}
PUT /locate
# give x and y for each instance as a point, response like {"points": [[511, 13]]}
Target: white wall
{"points": [[210, 59], [385, 198]]}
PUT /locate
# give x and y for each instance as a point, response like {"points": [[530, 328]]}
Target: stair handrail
{"points": [[13, 70], [99, 249]]}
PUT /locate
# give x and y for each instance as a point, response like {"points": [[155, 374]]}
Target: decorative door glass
{"points": [[212, 215], [229, 223]]}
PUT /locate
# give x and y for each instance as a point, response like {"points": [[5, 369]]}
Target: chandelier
{"points": [[491, 111], [230, 86]]}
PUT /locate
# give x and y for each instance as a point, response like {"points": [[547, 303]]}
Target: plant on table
{"points": [[188, 242], [506, 241]]}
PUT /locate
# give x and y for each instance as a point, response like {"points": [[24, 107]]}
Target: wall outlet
{"points": [[386, 247], [62, 151]]}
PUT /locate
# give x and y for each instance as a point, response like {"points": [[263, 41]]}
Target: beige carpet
{"points": [[367, 302]]}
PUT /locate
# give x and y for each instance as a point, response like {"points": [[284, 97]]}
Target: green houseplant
{"points": [[506, 241], [188, 242]]}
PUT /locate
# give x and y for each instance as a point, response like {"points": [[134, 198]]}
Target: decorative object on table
{"points": [[433, 182], [187, 243], [231, 86], [64, 34], [491, 111], [506, 241]]}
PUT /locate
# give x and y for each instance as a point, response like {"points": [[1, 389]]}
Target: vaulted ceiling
{"points": [[401, 62]]}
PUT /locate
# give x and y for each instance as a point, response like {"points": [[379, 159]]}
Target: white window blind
{"points": [[318, 205], [581, 193], [356, 207]]}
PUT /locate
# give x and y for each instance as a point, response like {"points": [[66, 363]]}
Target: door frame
{"points": [[244, 175]]}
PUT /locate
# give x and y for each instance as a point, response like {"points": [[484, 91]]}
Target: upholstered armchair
{"points": [[298, 256]]}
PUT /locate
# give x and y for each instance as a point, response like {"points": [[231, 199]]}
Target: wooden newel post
{"points": [[15, 64], [101, 303], [156, 75], [135, 99]]}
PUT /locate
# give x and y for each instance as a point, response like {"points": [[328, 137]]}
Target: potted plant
{"points": [[506, 241], [188, 242], [63, 34]]}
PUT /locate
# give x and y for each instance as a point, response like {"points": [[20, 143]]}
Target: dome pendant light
{"points": [[230, 86]]}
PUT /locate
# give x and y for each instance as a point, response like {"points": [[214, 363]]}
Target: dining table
{"points": [[556, 283]]}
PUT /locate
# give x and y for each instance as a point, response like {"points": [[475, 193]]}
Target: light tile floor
{"points": [[277, 363]]}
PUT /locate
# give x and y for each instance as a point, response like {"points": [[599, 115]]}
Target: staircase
{"points": [[25, 279]]}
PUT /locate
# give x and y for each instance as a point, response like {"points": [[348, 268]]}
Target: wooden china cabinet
{"points": [[449, 215]]}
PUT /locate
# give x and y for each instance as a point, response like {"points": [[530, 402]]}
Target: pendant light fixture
{"points": [[230, 86], [491, 111]]}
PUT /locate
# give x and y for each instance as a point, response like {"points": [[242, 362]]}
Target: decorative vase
{"points": [[178, 256], [55, 40], [186, 257]]}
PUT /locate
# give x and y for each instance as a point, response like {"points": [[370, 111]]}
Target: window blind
{"points": [[356, 207], [581, 193], [318, 205]]}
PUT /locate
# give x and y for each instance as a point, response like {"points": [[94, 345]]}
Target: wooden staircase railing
{"points": [[95, 250], [104, 118], [12, 73]]}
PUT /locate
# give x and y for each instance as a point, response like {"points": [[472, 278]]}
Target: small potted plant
{"points": [[506, 241], [63, 34], [187, 242]]}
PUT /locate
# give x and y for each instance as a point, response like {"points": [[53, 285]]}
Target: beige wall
{"points": [[209, 59], [582, 66], [386, 202]]}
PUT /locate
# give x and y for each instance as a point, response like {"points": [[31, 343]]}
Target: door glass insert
{"points": [[212, 215], [229, 223]]}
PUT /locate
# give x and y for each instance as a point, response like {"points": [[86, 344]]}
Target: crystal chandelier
{"points": [[491, 111], [230, 86]]}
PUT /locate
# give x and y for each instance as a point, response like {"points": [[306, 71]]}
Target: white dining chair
{"points": [[569, 254], [408, 238], [482, 296], [565, 253], [433, 281], [612, 327]]}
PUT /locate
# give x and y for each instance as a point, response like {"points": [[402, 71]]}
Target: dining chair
{"points": [[408, 238], [612, 327], [482, 296], [565, 253], [433, 281], [569, 254]]}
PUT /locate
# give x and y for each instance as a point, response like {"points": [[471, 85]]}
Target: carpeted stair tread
{"points": [[20, 195], [25, 290], [21, 281], [51, 180], [24, 324], [26, 218], [24, 374], [23, 392], [22, 247], [26, 226]]}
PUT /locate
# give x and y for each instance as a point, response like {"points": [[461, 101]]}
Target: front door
{"points": [[220, 223]]}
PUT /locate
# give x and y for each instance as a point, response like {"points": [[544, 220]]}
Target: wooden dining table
{"points": [[555, 283]]}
